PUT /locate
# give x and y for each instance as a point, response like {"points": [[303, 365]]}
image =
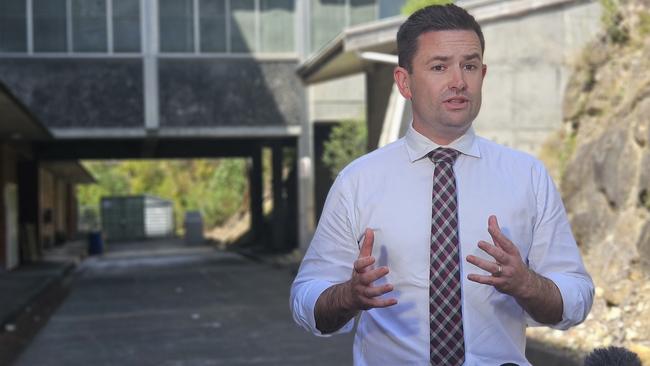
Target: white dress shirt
{"points": [[389, 191]]}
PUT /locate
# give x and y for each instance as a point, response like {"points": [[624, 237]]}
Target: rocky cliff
{"points": [[604, 162]]}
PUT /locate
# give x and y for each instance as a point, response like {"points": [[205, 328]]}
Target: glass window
{"points": [[126, 25], [89, 25], [277, 25], [13, 26], [362, 11], [327, 21], [176, 25], [213, 25], [49, 26], [242, 26], [390, 8]]}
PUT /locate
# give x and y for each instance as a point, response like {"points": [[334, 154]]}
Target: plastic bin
{"points": [[95, 243], [193, 228]]}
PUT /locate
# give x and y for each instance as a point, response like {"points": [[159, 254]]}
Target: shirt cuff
{"points": [[577, 296], [304, 308]]}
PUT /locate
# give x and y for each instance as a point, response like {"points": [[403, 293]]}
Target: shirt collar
{"points": [[418, 146]]}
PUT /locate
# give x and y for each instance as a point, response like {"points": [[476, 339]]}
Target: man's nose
{"points": [[457, 79]]}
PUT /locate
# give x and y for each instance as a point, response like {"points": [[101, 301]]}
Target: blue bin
{"points": [[95, 243]]}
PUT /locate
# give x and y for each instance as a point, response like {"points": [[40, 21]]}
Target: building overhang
{"points": [[71, 171], [16, 122], [344, 55]]}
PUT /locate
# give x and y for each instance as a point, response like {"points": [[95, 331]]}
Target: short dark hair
{"points": [[432, 18], [612, 356]]}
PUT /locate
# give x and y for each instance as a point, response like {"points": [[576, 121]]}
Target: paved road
{"points": [[177, 307]]}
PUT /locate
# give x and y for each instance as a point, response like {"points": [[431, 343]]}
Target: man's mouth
{"points": [[456, 102]]}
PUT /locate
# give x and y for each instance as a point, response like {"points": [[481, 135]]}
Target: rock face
{"points": [[606, 180]]}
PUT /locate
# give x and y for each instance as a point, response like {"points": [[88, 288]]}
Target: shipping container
{"points": [[126, 218]]}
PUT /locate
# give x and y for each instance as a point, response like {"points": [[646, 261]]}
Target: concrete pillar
{"points": [[379, 83], [306, 177], [256, 198], [28, 209], [278, 229]]}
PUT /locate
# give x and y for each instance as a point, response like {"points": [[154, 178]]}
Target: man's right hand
{"points": [[362, 295], [340, 303]]}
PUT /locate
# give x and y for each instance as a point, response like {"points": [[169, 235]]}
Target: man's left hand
{"points": [[510, 275]]}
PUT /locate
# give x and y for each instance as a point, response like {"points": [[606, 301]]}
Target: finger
{"points": [[483, 264], [374, 291], [486, 280], [362, 264], [499, 238], [381, 303], [373, 275], [495, 252], [368, 241]]}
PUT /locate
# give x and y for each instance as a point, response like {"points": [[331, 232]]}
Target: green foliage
{"points": [[347, 142], [644, 23], [217, 188], [411, 6], [612, 22]]}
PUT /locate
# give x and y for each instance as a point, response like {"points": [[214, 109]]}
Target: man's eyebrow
{"points": [[438, 58], [472, 56]]}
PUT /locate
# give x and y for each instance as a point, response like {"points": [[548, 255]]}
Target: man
{"points": [[402, 240]]}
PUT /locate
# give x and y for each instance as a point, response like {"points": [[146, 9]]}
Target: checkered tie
{"points": [[446, 337]]}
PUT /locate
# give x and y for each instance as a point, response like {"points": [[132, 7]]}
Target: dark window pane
{"points": [[362, 11], [126, 25], [89, 25], [176, 26], [49, 26], [13, 26], [277, 22], [327, 21], [242, 26], [213, 25]]}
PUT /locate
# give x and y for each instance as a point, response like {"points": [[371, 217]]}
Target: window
{"points": [[50, 32], [328, 18], [390, 8], [213, 25], [126, 25], [242, 26], [362, 11], [89, 25], [176, 25], [277, 19], [13, 26]]}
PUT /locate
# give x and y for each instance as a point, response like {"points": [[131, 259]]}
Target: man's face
{"points": [[445, 83]]}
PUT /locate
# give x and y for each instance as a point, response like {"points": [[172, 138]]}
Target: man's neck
{"points": [[442, 138]]}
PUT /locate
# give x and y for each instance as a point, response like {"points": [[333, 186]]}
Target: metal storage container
{"points": [[127, 218]]}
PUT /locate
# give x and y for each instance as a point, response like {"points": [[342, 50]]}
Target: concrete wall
{"points": [[529, 61], [229, 92], [69, 92], [338, 99], [96, 92]]}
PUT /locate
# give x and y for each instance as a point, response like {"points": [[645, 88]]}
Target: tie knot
{"points": [[444, 155]]}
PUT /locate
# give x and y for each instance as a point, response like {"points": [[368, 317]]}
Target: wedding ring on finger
{"points": [[499, 271]]}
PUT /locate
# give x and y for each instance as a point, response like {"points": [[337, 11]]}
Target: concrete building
{"points": [[113, 79], [118, 79], [37, 202]]}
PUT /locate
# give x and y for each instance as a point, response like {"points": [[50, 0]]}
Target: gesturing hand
{"points": [[361, 294], [510, 275]]}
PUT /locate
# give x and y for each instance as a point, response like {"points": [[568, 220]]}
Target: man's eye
{"points": [[470, 67], [438, 68]]}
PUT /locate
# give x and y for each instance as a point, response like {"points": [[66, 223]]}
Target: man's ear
{"points": [[402, 80], [484, 70]]}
